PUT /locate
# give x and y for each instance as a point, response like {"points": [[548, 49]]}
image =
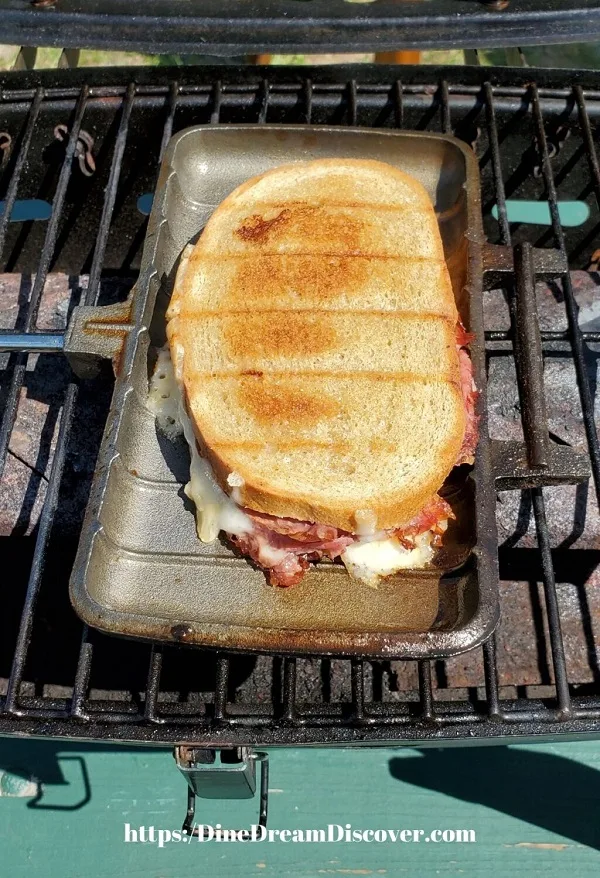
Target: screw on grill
{"points": [[83, 149], [42, 4]]}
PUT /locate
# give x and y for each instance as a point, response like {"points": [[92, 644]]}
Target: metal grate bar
{"points": [[358, 689], [12, 401], [489, 649], [585, 392], [289, 689], [398, 102], [546, 335], [110, 196], [308, 100], [490, 670], [554, 626], [82, 676], [490, 114], [460, 714], [217, 100], [265, 92], [445, 108], [37, 566], [426, 690], [221, 687], [168, 129], [352, 102], [11, 192], [153, 683]]}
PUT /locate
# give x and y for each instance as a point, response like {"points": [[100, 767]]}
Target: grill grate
{"points": [[61, 680]]}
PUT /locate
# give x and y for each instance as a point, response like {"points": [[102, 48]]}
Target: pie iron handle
{"points": [[95, 333]]}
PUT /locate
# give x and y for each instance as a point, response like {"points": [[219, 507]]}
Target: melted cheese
{"points": [[215, 511], [370, 560], [366, 522]]}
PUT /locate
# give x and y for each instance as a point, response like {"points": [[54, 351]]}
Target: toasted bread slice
{"points": [[313, 329]]}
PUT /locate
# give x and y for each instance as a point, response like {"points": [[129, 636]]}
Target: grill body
{"points": [[289, 26], [80, 159]]}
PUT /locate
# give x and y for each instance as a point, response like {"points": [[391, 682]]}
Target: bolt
{"points": [[181, 633]]}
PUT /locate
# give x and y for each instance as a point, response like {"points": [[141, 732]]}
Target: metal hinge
{"points": [[94, 334], [223, 773]]}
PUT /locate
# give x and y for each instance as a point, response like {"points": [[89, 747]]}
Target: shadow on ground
{"points": [[549, 791], [28, 768]]}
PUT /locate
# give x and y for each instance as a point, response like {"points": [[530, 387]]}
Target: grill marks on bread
{"points": [[298, 279], [318, 282], [338, 231], [421, 345], [329, 229], [261, 337], [280, 406], [324, 408], [256, 229], [318, 322]]}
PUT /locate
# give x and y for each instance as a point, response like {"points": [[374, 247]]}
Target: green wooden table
{"points": [[534, 809]]}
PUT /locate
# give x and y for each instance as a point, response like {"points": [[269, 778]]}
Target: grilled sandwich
{"points": [[319, 372]]}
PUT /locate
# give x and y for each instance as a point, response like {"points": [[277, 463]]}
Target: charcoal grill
{"points": [[80, 152]]}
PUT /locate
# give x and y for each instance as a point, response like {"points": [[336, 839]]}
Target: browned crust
{"points": [[399, 377], [269, 404], [390, 510]]}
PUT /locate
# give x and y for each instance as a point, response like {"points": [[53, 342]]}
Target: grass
{"points": [[48, 58], [574, 55], [88, 58]]}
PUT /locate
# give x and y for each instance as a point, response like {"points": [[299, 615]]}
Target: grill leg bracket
{"points": [[224, 773]]}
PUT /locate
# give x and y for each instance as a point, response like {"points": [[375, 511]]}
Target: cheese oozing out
{"points": [[370, 560], [215, 511], [366, 524]]}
